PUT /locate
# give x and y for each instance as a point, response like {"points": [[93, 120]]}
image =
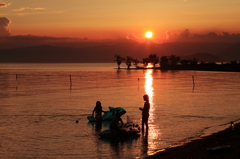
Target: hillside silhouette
{"points": [[204, 57], [209, 52]]}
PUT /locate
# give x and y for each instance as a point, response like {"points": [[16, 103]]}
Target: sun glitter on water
{"points": [[148, 34]]}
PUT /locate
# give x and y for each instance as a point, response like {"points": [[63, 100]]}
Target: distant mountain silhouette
{"points": [[231, 53], [204, 57], [105, 53], [51, 54]]}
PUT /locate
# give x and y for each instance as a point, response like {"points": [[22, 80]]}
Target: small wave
{"points": [[199, 116], [209, 131]]}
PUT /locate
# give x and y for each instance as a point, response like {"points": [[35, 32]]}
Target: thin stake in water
{"points": [[193, 82], [70, 81]]}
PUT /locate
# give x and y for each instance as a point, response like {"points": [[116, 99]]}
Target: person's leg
{"points": [[146, 122], [98, 117], [142, 124]]}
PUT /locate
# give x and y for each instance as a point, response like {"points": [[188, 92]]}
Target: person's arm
{"points": [[144, 107], [93, 112]]}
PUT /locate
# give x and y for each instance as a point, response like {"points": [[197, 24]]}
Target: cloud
{"points": [[169, 34], [4, 23], [35, 13], [185, 36], [185, 33], [4, 5], [132, 37], [27, 8]]}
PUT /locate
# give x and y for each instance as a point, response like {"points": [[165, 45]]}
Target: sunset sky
{"points": [[117, 18]]}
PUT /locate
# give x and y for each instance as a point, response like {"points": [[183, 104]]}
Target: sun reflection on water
{"points": [[153, 133], [149, 89]]}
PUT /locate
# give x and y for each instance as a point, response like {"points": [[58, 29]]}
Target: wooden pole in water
{"points": [[70, 81], [138, 83], [193, 82]]}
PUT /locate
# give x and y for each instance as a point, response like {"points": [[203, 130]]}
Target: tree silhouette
{"points": [[173, 60], [193, 61], [154, 59], [135, 62], [119, 60], [164, 61], [234, 62], [145, 61], [128, 61], [184, 62]]}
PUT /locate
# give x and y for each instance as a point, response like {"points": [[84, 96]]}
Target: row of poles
{"points": [[138, 81]]}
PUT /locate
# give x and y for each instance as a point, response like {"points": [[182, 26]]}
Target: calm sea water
{"points": [[39, 107]]}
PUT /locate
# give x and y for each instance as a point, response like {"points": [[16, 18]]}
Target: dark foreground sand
{"points": [[222, 145]]}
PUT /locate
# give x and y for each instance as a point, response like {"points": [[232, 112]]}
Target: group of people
{"points": [[114, 124]]}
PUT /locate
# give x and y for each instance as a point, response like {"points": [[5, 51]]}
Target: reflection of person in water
{"points": [[98, 111], [115, 122], [98, 126], [145, 143], [145, 112]]}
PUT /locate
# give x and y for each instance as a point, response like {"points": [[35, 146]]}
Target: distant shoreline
{"points": [[224, 68], [199, 67]]}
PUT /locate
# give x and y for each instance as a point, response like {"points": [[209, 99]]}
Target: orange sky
{"points": [[118, 18]]}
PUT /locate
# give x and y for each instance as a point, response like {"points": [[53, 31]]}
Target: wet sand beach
{"points": [[221, 145]]}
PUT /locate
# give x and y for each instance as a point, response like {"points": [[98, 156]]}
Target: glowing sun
{"points": [[148, 34]]}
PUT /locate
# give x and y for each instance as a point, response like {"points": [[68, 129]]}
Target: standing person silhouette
{"points": [[98, 111], [145, 112]]}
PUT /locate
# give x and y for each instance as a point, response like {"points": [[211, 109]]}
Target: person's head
{"points": [[145, 97], [98, 103]]}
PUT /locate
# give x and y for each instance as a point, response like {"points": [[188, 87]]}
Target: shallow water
{"points": [[40, 104]]}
